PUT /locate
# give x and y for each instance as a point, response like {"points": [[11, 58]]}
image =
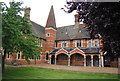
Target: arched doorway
{"points": [[77, 59], [47, 56], [96, 60], [52, 59], [62, 59], [88, 60]]}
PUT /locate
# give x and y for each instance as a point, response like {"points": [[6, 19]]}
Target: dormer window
{"points": [[48, 35]]}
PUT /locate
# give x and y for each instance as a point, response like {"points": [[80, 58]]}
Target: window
{"points": [[31, 58], [47, 56], [78, 43], [38, 57], [96, 43], [64, 43], [18, 55], [48, 35], [56, 44], [8, 56], [89, 43], [40, 44]]}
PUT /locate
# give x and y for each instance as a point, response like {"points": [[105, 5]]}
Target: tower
{"points": [[50, 30]]}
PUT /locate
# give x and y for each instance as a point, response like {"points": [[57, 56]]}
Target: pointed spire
{"points": [[51, 19]]}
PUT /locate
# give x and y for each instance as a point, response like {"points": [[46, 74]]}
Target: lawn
{"points": [[40, 73]]}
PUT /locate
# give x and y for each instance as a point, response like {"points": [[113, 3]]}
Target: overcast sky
{"points": [[40, 10]]}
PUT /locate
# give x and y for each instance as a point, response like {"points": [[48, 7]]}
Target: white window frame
{"points": [[97, 42], [8, 55], [20, 55], [80, 42], [88, 43], [63, 42], [48, 35]]}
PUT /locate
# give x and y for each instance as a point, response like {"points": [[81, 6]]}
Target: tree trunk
{"points": [[3, 61]]}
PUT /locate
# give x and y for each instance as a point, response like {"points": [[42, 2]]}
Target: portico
{"points": [[76, 57]]}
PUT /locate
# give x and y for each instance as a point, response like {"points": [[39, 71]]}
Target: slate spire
{"points": [[51, 19]]}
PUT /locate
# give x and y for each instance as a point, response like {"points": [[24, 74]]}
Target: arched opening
{"points": [[96, 60], [62, 59], [52, 59], [88, 60], [77, 60], [47, 56]]}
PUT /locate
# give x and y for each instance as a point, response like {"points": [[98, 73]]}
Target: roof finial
{"points": [[51, 2]]}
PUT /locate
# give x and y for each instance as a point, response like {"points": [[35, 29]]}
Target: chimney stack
{"points": [[27, 12], [77, 19]]}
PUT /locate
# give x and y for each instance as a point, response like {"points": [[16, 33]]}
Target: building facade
{"points": [[67, 45]]}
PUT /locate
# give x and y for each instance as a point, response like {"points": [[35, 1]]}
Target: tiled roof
{"points": [[72, 32], [38, 30], [51, 19], [92, 50]]}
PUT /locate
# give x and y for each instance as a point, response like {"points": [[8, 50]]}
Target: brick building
{"points": [[67, 45]]}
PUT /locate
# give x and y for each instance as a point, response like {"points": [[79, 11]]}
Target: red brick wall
{"points": [[24, 62], [73, 43]]}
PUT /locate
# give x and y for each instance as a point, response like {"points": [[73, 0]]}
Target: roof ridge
{"points": [[65, 26], [37, 24]]}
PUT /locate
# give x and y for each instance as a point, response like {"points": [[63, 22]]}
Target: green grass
{"points": [[40, 73]]}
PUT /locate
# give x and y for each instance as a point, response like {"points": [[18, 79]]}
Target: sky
{"points": [[40, 10]]}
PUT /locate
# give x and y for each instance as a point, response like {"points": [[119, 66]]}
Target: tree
{"points": [[16, 32], [103, 19]]}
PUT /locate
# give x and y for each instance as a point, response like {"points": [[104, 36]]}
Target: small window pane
{"points": [[96, 43], [18, 56], [78, 43], [64, 44], [89, 43]]}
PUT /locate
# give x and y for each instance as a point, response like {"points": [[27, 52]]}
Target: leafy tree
{"points": [[103, 19], [16, 32]]}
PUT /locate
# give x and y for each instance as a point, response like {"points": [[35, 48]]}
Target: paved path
{"points": [[77, 68]]}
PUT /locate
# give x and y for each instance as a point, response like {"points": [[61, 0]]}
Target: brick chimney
{"points": [[77, 20], [77, 17], [27, 12]]}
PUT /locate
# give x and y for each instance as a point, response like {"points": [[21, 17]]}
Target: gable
{"points": [[62, 51], [76, 50]]}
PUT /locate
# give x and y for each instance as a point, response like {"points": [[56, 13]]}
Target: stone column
{"points": [[55, 59], [99, 61], [92, 60], [84, 60], [50, 59], [68, 60], [102, 60]]}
